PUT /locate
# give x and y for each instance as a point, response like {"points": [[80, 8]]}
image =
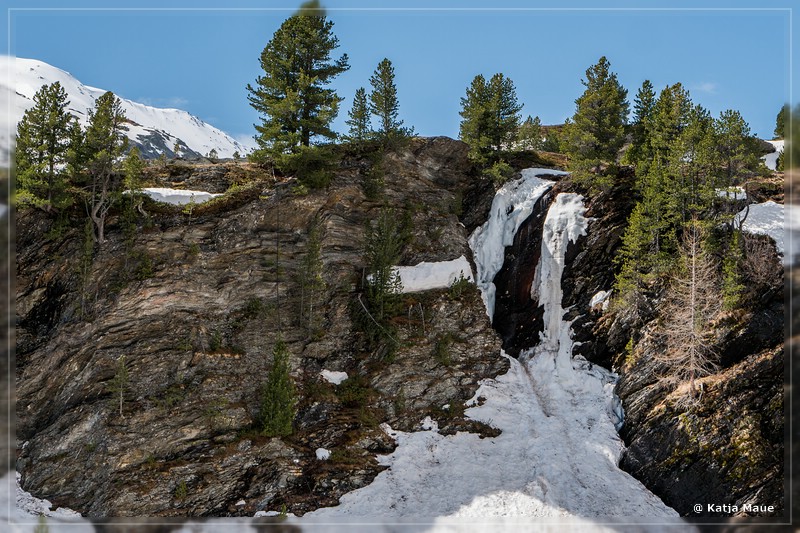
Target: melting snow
{"points": [[437, 275], [178, 196], [511, 206], [332, 376], [765, 219], [771, 160], [600, 299], [558, 451]]}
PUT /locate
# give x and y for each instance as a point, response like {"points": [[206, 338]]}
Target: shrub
{"points": [[278, 398], [460, 287], [354, 391], [499, 173]]}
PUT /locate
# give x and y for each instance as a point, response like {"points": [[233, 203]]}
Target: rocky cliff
{"points": [[208, 293], [198, 298]]}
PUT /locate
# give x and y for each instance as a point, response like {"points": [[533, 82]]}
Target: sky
{"points": [[201, 60]]}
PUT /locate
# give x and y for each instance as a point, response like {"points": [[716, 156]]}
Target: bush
{"points": [[278, 398], [312, 165], [460, 287], [499, 173], [441, 350], [354, 391]]}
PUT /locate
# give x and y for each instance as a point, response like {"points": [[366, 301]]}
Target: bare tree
{"points": [[693, 300]]}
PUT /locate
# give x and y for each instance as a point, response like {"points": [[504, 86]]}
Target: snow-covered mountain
{"points": [[153, 130]]}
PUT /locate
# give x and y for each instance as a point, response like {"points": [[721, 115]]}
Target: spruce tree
{"points": [[105, 143], [735, 145], [597, 129], [43, 143], [278, 397], [359, 121], [383, 101], [504, 109], [292, 97]]}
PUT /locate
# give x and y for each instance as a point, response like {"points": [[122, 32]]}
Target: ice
{"points": [[178, 196], [332, 376], [434, 275], [601, 299], [511, 206]]}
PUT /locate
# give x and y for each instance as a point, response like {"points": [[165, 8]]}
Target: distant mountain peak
{"points": [[153, 130]]}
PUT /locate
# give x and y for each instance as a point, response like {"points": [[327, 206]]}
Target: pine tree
{"points": [[118, 385], [311, 281], [475, 119], [384, 244], [737, 150], [530, 134], [291, 96], [692, 302], [780, 122], [133, 169], [43, 142], [597, 131], [490, 117], [278, 397], [383, 101], [359, 117], [639, 154], [105, 143]]}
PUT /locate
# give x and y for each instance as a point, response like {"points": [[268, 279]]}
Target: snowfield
{"points": [[769, 218], [26, 76]]}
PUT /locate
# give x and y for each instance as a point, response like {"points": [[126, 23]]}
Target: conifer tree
{"points": [[530, 134], [105, 143], [43, 142], [490, 117], [639, 153], [359, 121], [597, 130], [311, 281], [278, 397], [780, 122], [292, 97], [383, 101], [736, 148], [133, 168]]}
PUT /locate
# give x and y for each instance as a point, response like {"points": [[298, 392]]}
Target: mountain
{"points": [[153, 130]]}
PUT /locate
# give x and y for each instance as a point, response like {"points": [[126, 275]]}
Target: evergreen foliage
{"points": [[278, 397], [311, 282], [292, 97], [780, 122], [597, 130], [118, 385], [530, 134], [105, 143], [639, 153], [43, 148], [490, 117], [383, 102], [133, 168], [383, 246], [359, 121]]}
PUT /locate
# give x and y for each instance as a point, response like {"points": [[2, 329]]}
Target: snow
{"points": [[771, 160], [766, 219], [178, 196], [3, 210], [323, 454], [601, 298], [558, 452], [436, 275], [26, 76], [332, 376], [511, 206], [732, 193]]}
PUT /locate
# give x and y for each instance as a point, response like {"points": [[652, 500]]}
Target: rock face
{"points": [[728, 447], [195, 304]]}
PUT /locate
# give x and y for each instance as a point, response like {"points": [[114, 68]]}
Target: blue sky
{"points": [[201, 61]]}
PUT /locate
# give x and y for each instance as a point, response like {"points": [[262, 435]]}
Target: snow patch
{"points": [[600, 299], [429, 424], [332, 376], [511, 206], [765, 219], [323, 454], [732, 193], [435, 275], [178, 196], [771, 160]]}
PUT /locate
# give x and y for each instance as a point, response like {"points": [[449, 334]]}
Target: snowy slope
{"points": [[154, 130]]}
